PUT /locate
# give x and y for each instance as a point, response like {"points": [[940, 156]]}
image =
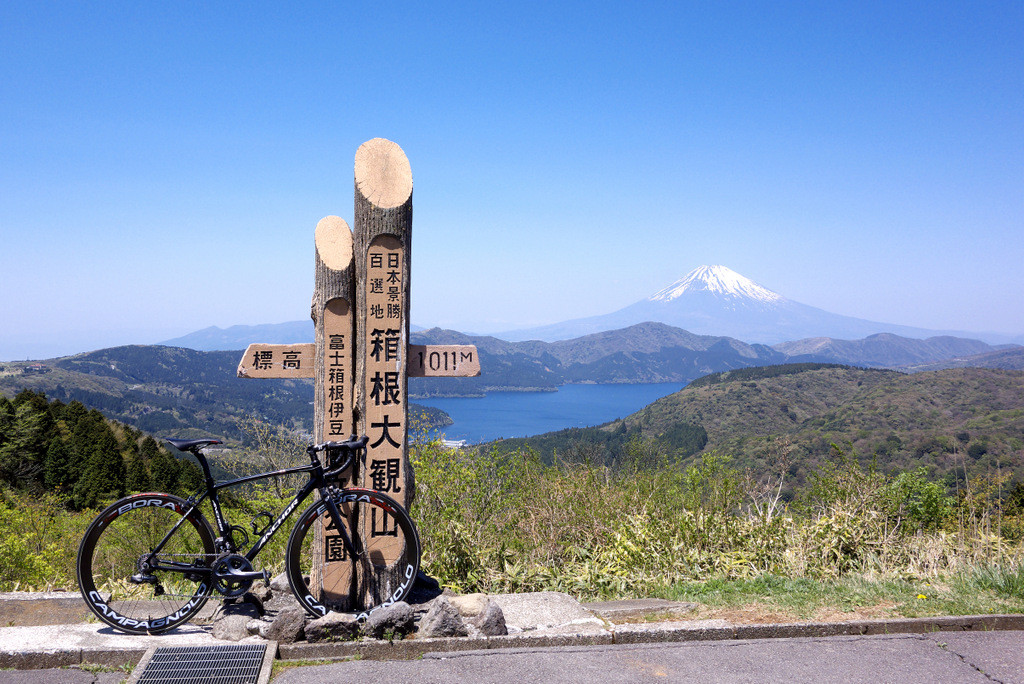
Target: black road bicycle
{"points": [[149, 562]]}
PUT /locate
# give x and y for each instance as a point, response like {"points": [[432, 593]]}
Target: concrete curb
{"points": [[663, 632], [669, 631]]}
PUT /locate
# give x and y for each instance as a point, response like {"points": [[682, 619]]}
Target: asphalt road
{"points": [[946, 657]]}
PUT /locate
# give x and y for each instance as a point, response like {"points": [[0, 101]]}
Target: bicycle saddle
{"points": [[191, 444]]}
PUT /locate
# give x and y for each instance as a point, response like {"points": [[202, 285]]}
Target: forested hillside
{"points": [[50, 446]]}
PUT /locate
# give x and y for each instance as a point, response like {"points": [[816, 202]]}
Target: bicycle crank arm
{"points": [[238, 575]]}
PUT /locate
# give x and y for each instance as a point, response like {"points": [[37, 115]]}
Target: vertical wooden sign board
{"points": [[383, 233], [333, 387]]}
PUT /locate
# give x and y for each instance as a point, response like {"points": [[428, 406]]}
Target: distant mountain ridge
{"points": [[241, 336], [656, 352], [182, 392], [715, 300], [709, 300], [883, 350], [644, 353]]}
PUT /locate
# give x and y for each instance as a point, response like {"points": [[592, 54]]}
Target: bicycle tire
{"points": [[381, 576], [110, 552]]}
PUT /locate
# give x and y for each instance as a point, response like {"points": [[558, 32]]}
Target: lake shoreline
{"points": [[506, 415]]}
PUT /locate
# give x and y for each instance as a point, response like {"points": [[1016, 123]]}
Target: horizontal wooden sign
{"points": [[277, 361], [443, 361], [296, 361]]}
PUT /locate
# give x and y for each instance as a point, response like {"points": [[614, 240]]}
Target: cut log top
{"points": [[333, 240], [383, 174]]}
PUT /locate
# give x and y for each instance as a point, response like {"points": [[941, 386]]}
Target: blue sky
{"points": [[162, 168]]}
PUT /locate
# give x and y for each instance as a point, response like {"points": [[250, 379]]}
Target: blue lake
{"points": [[521, 414]]}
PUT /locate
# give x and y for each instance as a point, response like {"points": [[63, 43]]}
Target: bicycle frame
{"points": [[224, 542]]}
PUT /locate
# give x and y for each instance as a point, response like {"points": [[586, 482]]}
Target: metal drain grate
{"points": [[236, 664]]}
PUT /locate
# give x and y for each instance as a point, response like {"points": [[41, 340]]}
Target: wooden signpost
{"points": [[361, 360]]}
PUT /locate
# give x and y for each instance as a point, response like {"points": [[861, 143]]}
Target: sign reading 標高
{"points": [[361, 359]]}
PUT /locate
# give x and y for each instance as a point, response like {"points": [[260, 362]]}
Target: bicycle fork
{"points": [[339, 524]]}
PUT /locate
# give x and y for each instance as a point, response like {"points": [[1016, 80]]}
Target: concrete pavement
{"points": [[962, 658], [535, 621]]}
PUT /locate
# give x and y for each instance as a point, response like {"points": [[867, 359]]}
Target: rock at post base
{"points": [[332, 627], [287, 627], [231, 622], [442, 620], [395, 620], [490, 621]]}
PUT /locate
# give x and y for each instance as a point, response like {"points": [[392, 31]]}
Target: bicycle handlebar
{"points": [[347, 451], [353, 444]]}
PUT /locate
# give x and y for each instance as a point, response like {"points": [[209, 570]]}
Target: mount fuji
{"points": [[715, 300]]}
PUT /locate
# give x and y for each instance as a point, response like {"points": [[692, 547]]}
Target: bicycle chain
{"points": [[193, 556]]}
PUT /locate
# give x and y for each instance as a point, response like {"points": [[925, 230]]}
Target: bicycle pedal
{"points": [[142, 578]]}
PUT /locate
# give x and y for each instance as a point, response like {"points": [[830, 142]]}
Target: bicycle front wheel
{"points": [[323, 574], [116, 584]]}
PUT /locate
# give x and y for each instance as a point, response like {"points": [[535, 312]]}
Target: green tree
{"points": [[137, 478], [59, 473], [105, 472], [190, 477], [164, 471], [24, 449]]}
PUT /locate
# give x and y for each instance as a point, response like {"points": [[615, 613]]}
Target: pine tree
{"points": [[105, 473], [59, 473], [6, 419], [190, 477], [164, 470], [137, 479], [24, 449]]}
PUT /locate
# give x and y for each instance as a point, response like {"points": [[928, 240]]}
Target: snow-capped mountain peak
{"points": [[718, 280]]}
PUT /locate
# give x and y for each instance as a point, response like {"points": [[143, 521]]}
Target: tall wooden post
{"points": [[383, 233], [383, 241], [332, 313]]}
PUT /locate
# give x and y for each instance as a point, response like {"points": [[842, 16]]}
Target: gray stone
{"points": [[261, 591], [279, 585], [549, 611], [491, 621], [231, 621], [231, 627], [332, 627], [280, 600], [469, 605], [396, 620], [442, 620], [287, 627]]}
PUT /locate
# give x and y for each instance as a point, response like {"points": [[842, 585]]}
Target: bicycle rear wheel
{"points": [[323, 575], [117, 542]]}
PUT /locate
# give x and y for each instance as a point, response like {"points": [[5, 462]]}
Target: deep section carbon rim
{"points": [[110, 555], [383, 573]]}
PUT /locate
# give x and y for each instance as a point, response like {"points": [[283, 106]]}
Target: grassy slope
{"points": [[791, 420]]}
